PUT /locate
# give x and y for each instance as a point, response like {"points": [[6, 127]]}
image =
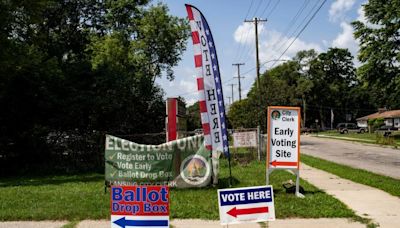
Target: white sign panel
{"points": [[245, 139], [283, 137], [246, 205]]}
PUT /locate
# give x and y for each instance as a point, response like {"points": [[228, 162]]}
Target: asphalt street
{"points": [[374, 158]]}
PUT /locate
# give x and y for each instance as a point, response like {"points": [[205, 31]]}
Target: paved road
{"points": [[373, 158]]}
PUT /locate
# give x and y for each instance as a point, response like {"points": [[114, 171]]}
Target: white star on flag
{"points": [[216, 80], [215, 68], [212, 55], [221, 114], [224, 137], [223, 125], [208, 32], [218, 91], [220, 103], [210, 43]]}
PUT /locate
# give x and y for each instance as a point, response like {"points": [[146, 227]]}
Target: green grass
{"points": [[387, 184], [366, 137], [81, 197]]}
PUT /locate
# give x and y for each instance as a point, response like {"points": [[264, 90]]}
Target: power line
{"points": [[256, 21], [247, 34], [257, 8], [305, 26], [250, 50], [272, 9], [283, 43], [241, 35], [266, 7], [290, 25]]}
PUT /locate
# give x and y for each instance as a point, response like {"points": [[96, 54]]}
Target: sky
{"points": [[235, 39]]}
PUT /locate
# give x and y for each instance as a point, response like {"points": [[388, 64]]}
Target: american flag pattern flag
{"points": [[211, 100]]}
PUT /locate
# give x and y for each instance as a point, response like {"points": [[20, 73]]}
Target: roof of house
{"points": [[384, 115]]}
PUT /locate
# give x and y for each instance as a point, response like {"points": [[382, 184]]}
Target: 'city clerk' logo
{"points": [[195, 170], [275, 115]]}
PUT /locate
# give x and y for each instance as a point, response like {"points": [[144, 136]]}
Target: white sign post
{"points": [[283, 148], [246, 205]]}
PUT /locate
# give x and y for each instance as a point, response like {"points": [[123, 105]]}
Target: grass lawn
{"points": [[387, 184], [366, 137], [82, 197]]}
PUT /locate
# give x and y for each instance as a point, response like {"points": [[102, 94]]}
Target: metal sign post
{"points": [[283, 147]]}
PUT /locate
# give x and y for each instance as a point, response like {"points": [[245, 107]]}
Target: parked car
{"points": [[386, 130], [344, 128]]}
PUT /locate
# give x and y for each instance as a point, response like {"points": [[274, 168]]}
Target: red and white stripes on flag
{"points": [[209, 84]]}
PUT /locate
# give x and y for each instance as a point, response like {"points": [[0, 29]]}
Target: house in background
{"points": [[391, 117]]}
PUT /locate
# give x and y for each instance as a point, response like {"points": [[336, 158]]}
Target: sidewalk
{"points": [[197, 223], [366, 201], [280, 223]]}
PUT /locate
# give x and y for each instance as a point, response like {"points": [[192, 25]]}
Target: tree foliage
{"points": [[79, 69], [317, 82], [379, 52]]}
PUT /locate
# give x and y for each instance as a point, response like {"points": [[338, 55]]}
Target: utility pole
{"points": [[229, 98], [256, 21], [233, 98], [304, 111], [238, 77]]}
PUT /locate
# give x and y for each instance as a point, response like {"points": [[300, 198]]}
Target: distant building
{"points": [[391, 117]]}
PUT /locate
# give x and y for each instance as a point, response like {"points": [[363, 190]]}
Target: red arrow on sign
{"points": [[281, 163], [246, 211]]}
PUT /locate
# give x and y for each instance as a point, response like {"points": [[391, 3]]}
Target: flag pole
{"points": [[230, 170]]}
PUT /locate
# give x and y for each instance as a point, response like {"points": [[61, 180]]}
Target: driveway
{"points": [[374, 158]]}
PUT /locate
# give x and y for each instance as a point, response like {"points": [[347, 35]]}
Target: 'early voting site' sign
{"points": [[180, 163], [283, 137], [283, 148], [243, 205], [139, 206]]}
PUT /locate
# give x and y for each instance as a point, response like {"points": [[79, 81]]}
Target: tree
{"points": [[379, 50], [194, 121], [333, 77], [79, 69]]}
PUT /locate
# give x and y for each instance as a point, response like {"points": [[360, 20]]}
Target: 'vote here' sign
{"points": [[244, 205]]}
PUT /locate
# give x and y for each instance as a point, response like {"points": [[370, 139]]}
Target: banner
{"points": [[181, 163], [209, 85], [208, 82]]}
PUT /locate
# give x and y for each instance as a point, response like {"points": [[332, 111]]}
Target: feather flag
{"points": [[209, 84]]}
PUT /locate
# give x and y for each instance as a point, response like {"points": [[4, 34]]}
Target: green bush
{"points": [[376, 123]]}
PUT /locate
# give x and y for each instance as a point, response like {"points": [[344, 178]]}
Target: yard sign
{"points": [[246, 205], [283, 147], [245, 139], [139, 206]]}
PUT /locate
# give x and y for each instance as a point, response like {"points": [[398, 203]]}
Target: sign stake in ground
{"points": [[139, 206], [246, 205], [283, 147]]}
